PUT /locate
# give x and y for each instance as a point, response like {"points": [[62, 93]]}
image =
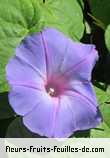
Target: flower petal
{"points": [[55, 51], [84, 89], [40, 119], [31, 51], [79, 67], [64, 123], [17, 71], [75, 114], [23, 99], [67, 57]]}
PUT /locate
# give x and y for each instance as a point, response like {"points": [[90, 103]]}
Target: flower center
{"points": [[55, 87], [51, 91]]}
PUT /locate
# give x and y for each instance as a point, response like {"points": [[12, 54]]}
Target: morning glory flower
{"points": [[50, 80]]}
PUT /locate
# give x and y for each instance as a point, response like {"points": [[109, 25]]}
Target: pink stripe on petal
{"points": [[86, 99], [33, 67], [27, 84], [47, 54], [75, 68], [56, 109]]}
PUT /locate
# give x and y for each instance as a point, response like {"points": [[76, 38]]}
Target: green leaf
{"points": [[4, 126], [18, 18], [5, 109], [101, 10], [67, 16], [17, 130], [87, 28], [107, 37], [105, 107], [104, 129], [104, 102], [81, 3]]}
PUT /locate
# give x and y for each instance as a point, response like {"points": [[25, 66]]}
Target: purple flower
{"points": [[50, 79]]}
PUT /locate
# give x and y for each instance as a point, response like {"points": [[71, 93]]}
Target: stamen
{"points": [[51, 91]]}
